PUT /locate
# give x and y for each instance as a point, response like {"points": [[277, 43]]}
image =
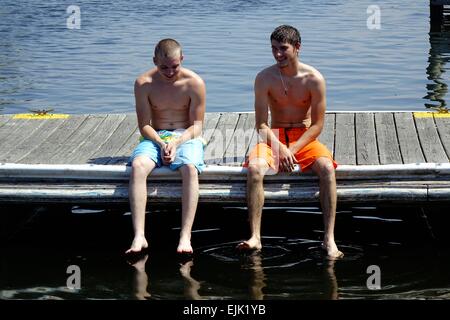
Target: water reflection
{"points": [[140, 278], [439, 55]]}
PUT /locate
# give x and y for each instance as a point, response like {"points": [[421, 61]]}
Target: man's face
{"points": [[168, 68], [284, 52]]}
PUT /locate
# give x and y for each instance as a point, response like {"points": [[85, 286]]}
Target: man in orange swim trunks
{"points": [[295, 95]]}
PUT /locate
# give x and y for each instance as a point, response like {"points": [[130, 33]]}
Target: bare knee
{"points": [[141, 167], [256, 172], [189, 170], [324, 168]]}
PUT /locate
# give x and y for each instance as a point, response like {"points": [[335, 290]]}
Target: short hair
{"points": [[168, 48], [286, 33]]}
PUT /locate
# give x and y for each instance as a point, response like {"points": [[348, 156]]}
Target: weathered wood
{"points": [[13, 131], [115, 141], [429, 140], [49, 146], [33, 141], [96, 139], [77, 139], [251, 122], [366, 140], [344, 151], [4, 119], [228, 192], [443, 127], [388, 148], [327, 135], [408, 139], [235, 150], [221, 137], [210, 126]]}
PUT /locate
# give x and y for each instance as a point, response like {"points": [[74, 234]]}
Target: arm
{"points": [[143, 111], [318, 106], [197, 108]]}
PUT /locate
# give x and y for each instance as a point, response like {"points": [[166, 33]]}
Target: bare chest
{"points": [[162, 100]]}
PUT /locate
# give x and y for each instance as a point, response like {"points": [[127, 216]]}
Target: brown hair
{"points": [[287, 34], [168, 48]]}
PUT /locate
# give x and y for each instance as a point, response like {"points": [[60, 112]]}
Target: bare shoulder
{"points": [[314, 78], [193, 79], [263, 78], [144, 80]]}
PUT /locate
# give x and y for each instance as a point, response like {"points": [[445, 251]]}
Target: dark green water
{"points": [[408, 244]]}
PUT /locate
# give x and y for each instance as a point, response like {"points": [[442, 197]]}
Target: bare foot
{"points": [[184, 246], [332, 250], [250, 244], [139, 244]]}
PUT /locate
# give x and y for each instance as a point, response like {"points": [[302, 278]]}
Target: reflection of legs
{"points": [[141, 168], [192, 285], [257, 168], [323, 167], [141, 279], [332, 279], [258, 278], [189, 201]]}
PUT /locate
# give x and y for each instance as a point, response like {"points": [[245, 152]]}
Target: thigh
{"points": [[150, 150]]}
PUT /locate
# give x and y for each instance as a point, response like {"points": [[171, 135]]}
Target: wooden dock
{"points": [[383, 156]]}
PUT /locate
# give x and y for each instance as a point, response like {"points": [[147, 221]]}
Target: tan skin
{"points": [[295, 94], [167, 97]]}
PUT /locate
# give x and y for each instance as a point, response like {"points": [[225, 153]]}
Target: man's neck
{"points": [[291, 69]]}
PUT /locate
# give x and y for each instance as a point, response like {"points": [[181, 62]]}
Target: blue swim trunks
{"points": [[190, 152]]}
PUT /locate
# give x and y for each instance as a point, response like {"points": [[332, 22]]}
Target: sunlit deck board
{"points": [[356, 139]]}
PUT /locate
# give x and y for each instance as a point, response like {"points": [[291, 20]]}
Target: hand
{"points": [[286, 159], [170, 150]]}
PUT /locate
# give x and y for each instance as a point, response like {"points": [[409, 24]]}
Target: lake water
{"points": [[44, 64], [409, 245]]}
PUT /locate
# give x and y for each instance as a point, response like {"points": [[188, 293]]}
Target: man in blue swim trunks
{"points": [[170, 107]]}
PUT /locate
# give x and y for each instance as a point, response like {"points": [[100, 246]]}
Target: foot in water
{"points": [[184, 246], [332, 250], [139, 244], [250, 244]]}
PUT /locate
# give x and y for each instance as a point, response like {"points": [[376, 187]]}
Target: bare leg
{"points": [[141, 279], [189, 202], [192, 286], [323, 167], [255, 201], [140, 169]]}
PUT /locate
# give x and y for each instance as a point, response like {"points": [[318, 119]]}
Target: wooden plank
{"points": [[76, 139], [50, 145], [250, 125], [429, 140], [211, 121], [407, 137], [327, 135], [116, 140], [27, 145], [96, 139], [3, 120], [366, 142], [443, 127], [235, 151], [14, 132], [388, 148], [216, 147], [345, 152]]}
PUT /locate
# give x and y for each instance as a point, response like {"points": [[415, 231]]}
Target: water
{"points": [[38, 247], [43, 64]]}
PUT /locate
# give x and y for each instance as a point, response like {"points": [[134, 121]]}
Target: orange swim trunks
{"points": [[305, 157]]}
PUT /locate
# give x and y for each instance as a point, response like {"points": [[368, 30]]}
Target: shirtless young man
{"points": [[295, 95], [170, 107]]}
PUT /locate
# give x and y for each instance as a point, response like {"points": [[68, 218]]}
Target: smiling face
{"points": [[284, 52], [169, 67]]}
